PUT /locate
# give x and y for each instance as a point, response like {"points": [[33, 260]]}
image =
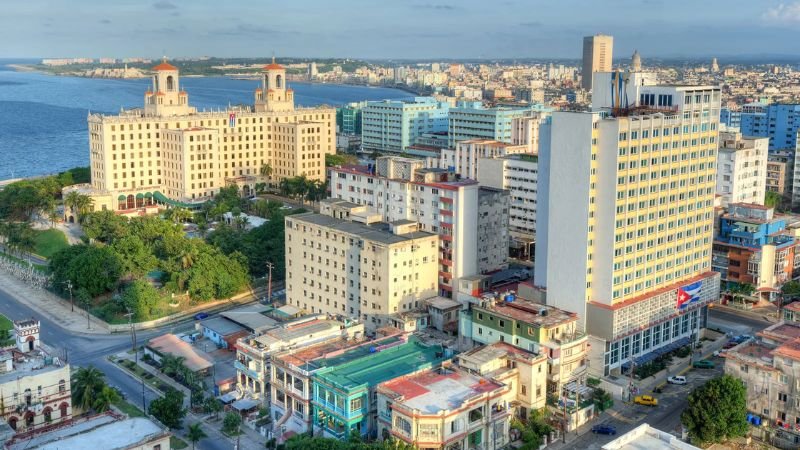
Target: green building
{"points": [[342, 393], [348, 118]]}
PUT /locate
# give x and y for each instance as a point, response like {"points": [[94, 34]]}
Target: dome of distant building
{"points": [[164, 66], [636, 61]]}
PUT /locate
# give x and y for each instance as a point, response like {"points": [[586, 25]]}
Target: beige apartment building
{"points": [[742, 168], [168, 152], [358, 267], [34, 384], [598, 51]]}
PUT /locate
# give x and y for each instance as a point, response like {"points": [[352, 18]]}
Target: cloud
{"points": [[245, 29], [784, 13], [436, 6], [531, 24], [164, 4], [105, 21]]}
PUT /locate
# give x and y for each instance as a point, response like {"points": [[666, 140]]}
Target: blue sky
{"points": [[395, 29]]}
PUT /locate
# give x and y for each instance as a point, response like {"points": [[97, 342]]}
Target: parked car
{"points": [[646, 400], [676, 380], [604, 429], [200, 316], [703, 364], [729, 345]]}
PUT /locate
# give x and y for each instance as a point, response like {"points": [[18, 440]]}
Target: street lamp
{"points": [[69, 287]]}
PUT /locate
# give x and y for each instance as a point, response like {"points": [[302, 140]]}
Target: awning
{"points": [[244, 404], [139, 196], [229, 397], [164, 199], [121, 197], [148, 195]]}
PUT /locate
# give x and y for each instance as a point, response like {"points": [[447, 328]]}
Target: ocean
{"points": [[43, 117]]}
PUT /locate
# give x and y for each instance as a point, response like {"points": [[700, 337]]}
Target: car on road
{"points": [[676, 380], [604, 429], [703, 364], [729, 345], [646, 400], [200, 316]]}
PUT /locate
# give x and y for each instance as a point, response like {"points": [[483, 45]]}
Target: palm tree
{"points": [[86, 384], [105, 398], [195, 433], [78, 203], [171, 365], [285, 187], [266, 171]]}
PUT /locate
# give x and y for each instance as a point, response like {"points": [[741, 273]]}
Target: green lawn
{"points": [[177, 443], [128, 409], [49, 242], [5, 331]]}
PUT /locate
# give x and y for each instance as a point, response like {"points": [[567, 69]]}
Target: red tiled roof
{"points": [[165, 66], [794, 306], [790, 349], [273, 66]]}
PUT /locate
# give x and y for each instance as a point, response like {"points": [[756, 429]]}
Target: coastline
{"points": [[234, 76]]}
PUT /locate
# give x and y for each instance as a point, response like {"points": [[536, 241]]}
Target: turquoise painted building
{"points": [[471, 120], [342, 394], [392, 126]]}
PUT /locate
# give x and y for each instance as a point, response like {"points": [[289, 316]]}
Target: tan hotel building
{"points": [[169, 152]]}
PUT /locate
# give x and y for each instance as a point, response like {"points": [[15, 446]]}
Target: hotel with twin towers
{"points": [[168, 152]]}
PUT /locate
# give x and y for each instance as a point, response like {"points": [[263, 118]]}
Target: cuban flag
{"points": [[232, 120], [689, 294]]}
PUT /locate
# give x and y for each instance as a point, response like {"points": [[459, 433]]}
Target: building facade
{"points": [[367, 271], [518, 174], [168, 152], [598, 51], [34, 383], [780, 169], [402, 189], [753, 247], [535, 327], [472, 120], [778, 122], [742, 168], [464, 158], [633, 250], [392, 126], [343, 394], [444, 408], [253, 353]]}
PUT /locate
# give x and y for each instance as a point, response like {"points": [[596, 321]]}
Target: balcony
{"points": [[247, 371]]}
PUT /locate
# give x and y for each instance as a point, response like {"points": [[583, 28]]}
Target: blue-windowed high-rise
{"points": [[778, 122]]}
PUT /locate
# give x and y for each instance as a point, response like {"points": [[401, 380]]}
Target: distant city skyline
{"points": [[422, 29]]}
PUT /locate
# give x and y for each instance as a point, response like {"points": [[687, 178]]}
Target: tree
{"points": [[340, 160], [141, 298], [195, 433], [772, 199], [136, 258], [169, 409], [105, 226], [79, 203], [741, 290], [231, 423], [717, 411], [212, 405], [178, 215], [96, 269], [105, 398], [266, 171], [790, 291], [87, 384]]}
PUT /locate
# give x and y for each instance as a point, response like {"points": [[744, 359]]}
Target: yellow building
{"points": [[168, 152], [631, 255], [368, 270]]}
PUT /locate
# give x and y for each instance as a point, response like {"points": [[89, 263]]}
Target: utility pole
{"points": [[69, 287], [136, 354], [566, 417], [630, 379], [270, 266]]}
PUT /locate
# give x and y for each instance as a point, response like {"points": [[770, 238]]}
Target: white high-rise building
{"points": [[742, 168], [471, 221], [626, 213], [464, 158]]}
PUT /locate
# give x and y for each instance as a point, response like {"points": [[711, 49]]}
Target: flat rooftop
{"points": [[645, 437], [27, 364], [173, 345], [530, 312], [753, 349], [781, 331], [439, 389], [378, 232], [383, 365], [337, 352], [104, 432]]}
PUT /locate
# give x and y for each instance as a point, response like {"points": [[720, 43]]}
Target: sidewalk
{"points": [[50, 306]]}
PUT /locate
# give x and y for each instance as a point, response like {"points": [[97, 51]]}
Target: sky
{"points": [[386, 29]]}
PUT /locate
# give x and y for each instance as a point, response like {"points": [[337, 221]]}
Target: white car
{"points": [[676, 380]]}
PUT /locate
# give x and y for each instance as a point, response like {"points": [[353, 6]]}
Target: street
{"points": [[729, 320], [85, 350]]}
